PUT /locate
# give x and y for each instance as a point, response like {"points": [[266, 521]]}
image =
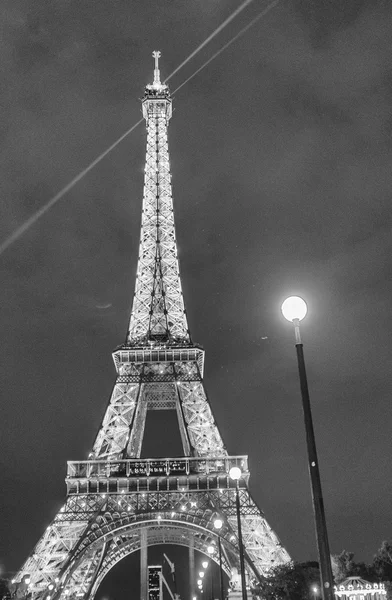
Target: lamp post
{"points": [[294, 309], [218, 523], [235, 474]]}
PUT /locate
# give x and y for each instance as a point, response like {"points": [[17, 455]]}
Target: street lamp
{"points": [[294, 309], [315, 591], [218, 524], [235, 474]]}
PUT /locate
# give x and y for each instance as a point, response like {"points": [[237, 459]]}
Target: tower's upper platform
{"points": [[157, 98]]}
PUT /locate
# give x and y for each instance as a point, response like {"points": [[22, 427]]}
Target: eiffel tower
{"points": [[118, 503]]}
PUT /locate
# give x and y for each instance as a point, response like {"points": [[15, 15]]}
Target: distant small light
{"points": [[210, 549]]}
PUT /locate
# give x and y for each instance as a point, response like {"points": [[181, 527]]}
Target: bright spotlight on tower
{"points": [[235, 473]]}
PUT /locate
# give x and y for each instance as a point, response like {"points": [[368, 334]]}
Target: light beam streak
{"points": [[211, 37], [37, 215], [15, 235], [238, 35]]}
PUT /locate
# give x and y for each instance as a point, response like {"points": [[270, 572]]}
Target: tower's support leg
{"points": [[192, 566], [143, 565]]}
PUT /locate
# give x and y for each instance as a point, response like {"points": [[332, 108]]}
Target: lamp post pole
{"points": [[218, 523], [235, 473], [220, 568], [295, 312], [240, 543]]}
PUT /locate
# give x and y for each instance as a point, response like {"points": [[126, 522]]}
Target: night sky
{"points": [[281, 158]]}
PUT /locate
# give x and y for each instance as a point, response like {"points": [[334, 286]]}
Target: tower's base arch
{"points": [[93, 563]]}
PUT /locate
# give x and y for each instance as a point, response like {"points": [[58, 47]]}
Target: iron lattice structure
{"points": [[115, 497]]}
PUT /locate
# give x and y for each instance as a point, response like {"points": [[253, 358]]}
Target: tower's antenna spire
{"points": [[157, 76]]}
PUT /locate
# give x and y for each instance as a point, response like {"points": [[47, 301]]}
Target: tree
{"points": [[342, 565], [290, 582], [382, 565], [382, 561], [4, 590]]}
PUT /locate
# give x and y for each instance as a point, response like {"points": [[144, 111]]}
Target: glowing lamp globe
{"points": [[218, 523], [210, 549], [204, 564], [294, 308], [235, 473]]}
